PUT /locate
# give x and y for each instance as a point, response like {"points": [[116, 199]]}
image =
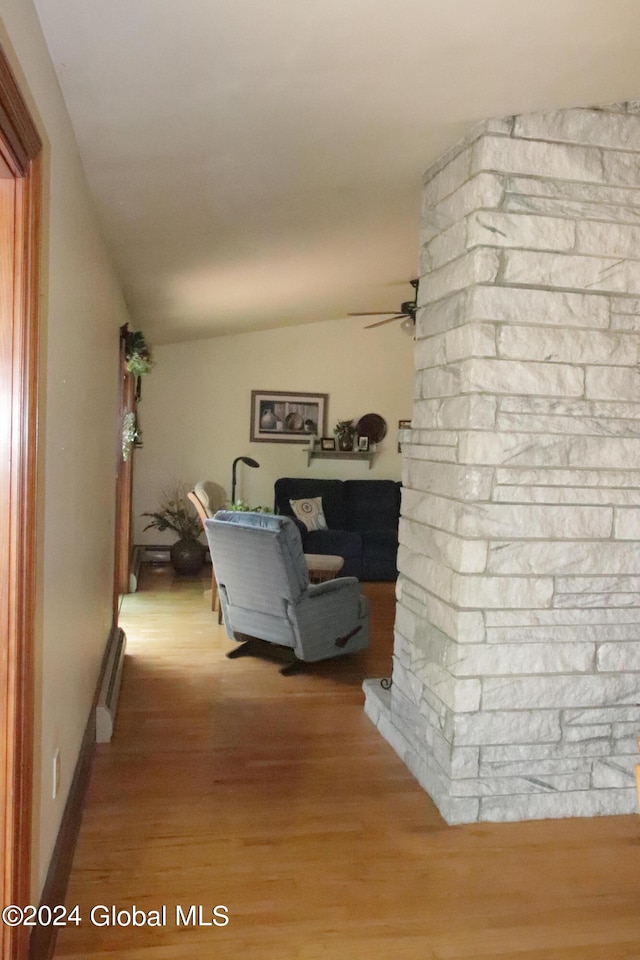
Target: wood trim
{"points": [[43, 939], [202, 513], [22, 567], [21, 146], [18, 128], [124, 482]]}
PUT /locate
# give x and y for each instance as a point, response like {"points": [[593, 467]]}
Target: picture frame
{"points": [[327, 443], [279, 416], [402, 425], [363, 444]]}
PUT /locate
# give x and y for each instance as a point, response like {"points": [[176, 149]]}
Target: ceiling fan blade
{"points": [[379, 323], [372, 313]]}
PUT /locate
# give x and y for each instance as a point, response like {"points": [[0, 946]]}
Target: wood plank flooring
{"points": [[229, 784]]}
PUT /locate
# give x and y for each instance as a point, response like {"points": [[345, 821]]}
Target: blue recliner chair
{"points": [[265, 592]]}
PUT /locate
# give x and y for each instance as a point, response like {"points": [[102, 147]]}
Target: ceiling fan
{"points": [[406, 313]]}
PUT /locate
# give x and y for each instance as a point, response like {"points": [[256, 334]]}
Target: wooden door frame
{"points": [[124, 482], [21, 148]]}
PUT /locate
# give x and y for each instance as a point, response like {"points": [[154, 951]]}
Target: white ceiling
{"points": [[257, 163]]}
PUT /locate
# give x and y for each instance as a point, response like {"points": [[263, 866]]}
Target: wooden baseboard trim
{"points": [[43, 938], [42, 942]]}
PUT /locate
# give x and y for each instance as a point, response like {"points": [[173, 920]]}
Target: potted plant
{"points": [[176, 513], [345, 432], [241, 506]]}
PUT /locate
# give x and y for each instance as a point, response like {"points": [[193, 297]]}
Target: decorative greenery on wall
{"points": [[130, 434], [138, 354]]}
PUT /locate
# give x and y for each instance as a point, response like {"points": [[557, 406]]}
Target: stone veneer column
{"points": [[516, 679]]}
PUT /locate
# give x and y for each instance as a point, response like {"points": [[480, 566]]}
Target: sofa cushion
{"points": [[372, 504], [302, 488], [378, 568], [362, 516], [309, 512], [339, 543], [379, 552]]}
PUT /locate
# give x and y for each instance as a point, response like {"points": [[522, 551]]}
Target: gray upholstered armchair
{"points": [[265, 592]]}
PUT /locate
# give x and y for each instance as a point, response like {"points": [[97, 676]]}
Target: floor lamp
{"points": [[250, 462]]}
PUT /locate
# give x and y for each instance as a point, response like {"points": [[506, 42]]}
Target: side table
{"points": [[323, 566]]}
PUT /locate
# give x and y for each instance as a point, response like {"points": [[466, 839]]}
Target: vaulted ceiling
{"points": [[257, 163]]}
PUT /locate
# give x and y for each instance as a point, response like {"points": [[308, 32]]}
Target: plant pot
{"points": [[187, 557], [345, 442]]}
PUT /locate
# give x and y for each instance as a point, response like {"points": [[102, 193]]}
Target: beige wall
{"points": [[195, 406], [81, 311], [194, 411]]}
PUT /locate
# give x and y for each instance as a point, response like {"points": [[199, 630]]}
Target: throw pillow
{"points": [[310, 512]]}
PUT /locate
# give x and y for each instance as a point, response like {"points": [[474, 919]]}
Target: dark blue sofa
{"points": [[362, 517]]}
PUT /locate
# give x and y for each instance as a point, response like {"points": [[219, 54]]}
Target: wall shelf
{"points": [[317, 454]]}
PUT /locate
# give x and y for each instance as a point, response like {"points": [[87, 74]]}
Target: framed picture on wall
{"points": [[403, 425], [279, 417]]}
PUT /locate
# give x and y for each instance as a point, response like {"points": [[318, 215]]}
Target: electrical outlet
{"points": [[55, 784]]}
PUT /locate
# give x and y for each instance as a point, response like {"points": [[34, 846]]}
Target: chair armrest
{"points": [[332, 586], [331, 618]]}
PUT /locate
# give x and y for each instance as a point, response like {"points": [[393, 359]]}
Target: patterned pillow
{"points": [[309, 512]]}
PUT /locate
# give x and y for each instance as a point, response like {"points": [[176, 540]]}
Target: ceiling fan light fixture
{"points": [[407, 314], [408, 326]]}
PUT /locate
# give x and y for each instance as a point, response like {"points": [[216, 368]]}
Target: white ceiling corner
{"points": [[257, 164]]}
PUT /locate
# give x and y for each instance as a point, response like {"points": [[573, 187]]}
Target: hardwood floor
{"points": [[229, 784]]}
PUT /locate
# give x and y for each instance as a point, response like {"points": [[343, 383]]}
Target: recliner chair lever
{"points": [[343, 641]]}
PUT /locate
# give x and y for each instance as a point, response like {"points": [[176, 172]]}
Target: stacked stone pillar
{"points": [[516, 677]]}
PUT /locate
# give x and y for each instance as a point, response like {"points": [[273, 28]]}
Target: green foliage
{"points": [[176, 513], [138, 354], [130, 433], [345, 428], [243, 507]]}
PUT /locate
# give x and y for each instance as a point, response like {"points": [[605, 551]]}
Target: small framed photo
{"points": [[363, 444], [402, 425], [327, 443]]}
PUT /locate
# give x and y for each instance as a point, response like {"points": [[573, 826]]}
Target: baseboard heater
{"points": [[157, 554], [110, 689]]}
